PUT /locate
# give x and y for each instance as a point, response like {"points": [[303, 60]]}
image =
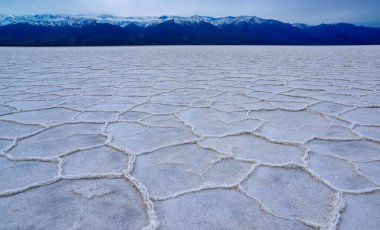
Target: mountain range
{"points": [[69, 30]]}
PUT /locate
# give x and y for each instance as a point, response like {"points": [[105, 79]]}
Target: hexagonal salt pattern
{"points": [[77, 204], [255, 148], [204, 138], [283, 125], [15, 130], [175, 169], [292, 193], [18, 174], [361, 211], [96, 160], [133, 137], [59, 140], [217, 209], [50, 116]]}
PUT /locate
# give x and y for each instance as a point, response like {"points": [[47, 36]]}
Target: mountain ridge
{"points": [[80, 20], [66, 30]]}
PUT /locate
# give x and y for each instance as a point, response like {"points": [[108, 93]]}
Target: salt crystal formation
{"points": [[190, 138]]}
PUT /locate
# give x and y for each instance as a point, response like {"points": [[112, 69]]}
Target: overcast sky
{"points": [[364, 12]]}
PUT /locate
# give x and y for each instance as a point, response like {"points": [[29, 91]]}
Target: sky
{"points": [[361, 12]]}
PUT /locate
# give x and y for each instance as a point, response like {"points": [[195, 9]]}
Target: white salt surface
{"points": [[189, 137]]}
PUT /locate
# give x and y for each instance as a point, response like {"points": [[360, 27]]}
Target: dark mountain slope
{"points": [[197, 30]]}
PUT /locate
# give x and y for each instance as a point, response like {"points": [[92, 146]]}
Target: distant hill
{"points": [[66, 30]]}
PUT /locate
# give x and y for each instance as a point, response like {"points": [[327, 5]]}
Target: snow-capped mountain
{"points": [[80, 20], [49, 29]]}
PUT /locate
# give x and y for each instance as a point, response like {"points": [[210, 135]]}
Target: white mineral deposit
{"points": [[190, 137]]}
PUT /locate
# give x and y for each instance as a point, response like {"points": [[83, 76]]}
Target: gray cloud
{"points": [[366, 12]]}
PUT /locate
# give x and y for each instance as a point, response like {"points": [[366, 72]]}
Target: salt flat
{"points": [[234, 137]]}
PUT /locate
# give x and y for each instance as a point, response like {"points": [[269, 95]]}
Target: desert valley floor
{"points": [[186, 137]]}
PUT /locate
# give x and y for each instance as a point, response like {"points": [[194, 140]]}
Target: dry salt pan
{"points": [[195, 138]]}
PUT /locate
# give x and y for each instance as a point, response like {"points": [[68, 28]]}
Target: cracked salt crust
{"points": [[225, 138]]}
